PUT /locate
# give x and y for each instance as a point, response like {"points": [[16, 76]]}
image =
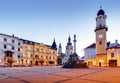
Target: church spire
{"points": [[69, 41], [54, 46]]}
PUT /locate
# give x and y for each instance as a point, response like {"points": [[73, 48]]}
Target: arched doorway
{"points": [[9, 58], [101, 63], [36, 62]]}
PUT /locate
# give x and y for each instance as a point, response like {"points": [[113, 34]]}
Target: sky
{"points": [[43, 20]]}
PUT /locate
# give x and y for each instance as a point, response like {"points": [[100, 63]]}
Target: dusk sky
{"points": [[44, 20]]}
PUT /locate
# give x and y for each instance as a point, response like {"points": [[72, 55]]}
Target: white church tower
{"points": [[60, 49], [69, 47]]}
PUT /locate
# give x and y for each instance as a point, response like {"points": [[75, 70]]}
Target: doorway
{"points": [[100, 64], [112, 63], [9, 58]]}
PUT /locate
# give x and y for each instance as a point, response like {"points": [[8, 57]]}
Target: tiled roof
{"points": [[93, 45], [114, 45], [28, 41], [8, 35]]}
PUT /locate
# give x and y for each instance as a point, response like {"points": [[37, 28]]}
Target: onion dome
{"points": [[100, 12]]}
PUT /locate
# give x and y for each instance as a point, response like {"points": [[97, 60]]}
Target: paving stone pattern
{"points": [[56, 74]]}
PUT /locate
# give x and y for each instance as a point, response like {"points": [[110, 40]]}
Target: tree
{"points": [[51, 62], [59, 60], [74, 62]]}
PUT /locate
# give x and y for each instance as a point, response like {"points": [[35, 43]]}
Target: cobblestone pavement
{"points": [[56, 74]]}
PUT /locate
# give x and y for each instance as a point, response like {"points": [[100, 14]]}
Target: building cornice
{"points": [[101, 29]]}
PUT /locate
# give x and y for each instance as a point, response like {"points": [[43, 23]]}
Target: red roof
{"points": [[93, 45]]}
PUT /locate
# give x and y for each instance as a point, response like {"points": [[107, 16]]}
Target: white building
{"points": [[90, 51], [10, 49]]}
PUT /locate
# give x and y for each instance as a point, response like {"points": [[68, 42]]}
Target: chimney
{"points": [[116, 41]]}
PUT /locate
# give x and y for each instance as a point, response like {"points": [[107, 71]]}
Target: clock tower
{"points": [[101, 40]]}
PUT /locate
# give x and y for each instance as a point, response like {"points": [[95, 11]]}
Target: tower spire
{"points": [[60, 49], [74, 43], [100, 4], [69, 41], [54, 46]]}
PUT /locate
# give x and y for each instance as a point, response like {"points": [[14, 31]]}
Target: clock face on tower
{"points": [[100, 36]]}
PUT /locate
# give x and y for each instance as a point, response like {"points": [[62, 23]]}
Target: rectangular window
{"points": [[13, 41], [41, 56], [18, 56], [5, 39], [5, 46], [112, 54], [36, 56], [18, 43], [50, 57], [31, 56], [13, 48], [18, 49], [37, 49]]}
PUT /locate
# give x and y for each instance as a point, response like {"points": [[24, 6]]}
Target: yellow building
{"points": [[113, 54], [28, 52], [38, 53], [44, 53]]}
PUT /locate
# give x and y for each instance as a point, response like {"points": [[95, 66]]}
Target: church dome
{"points": [[100, 12]]}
